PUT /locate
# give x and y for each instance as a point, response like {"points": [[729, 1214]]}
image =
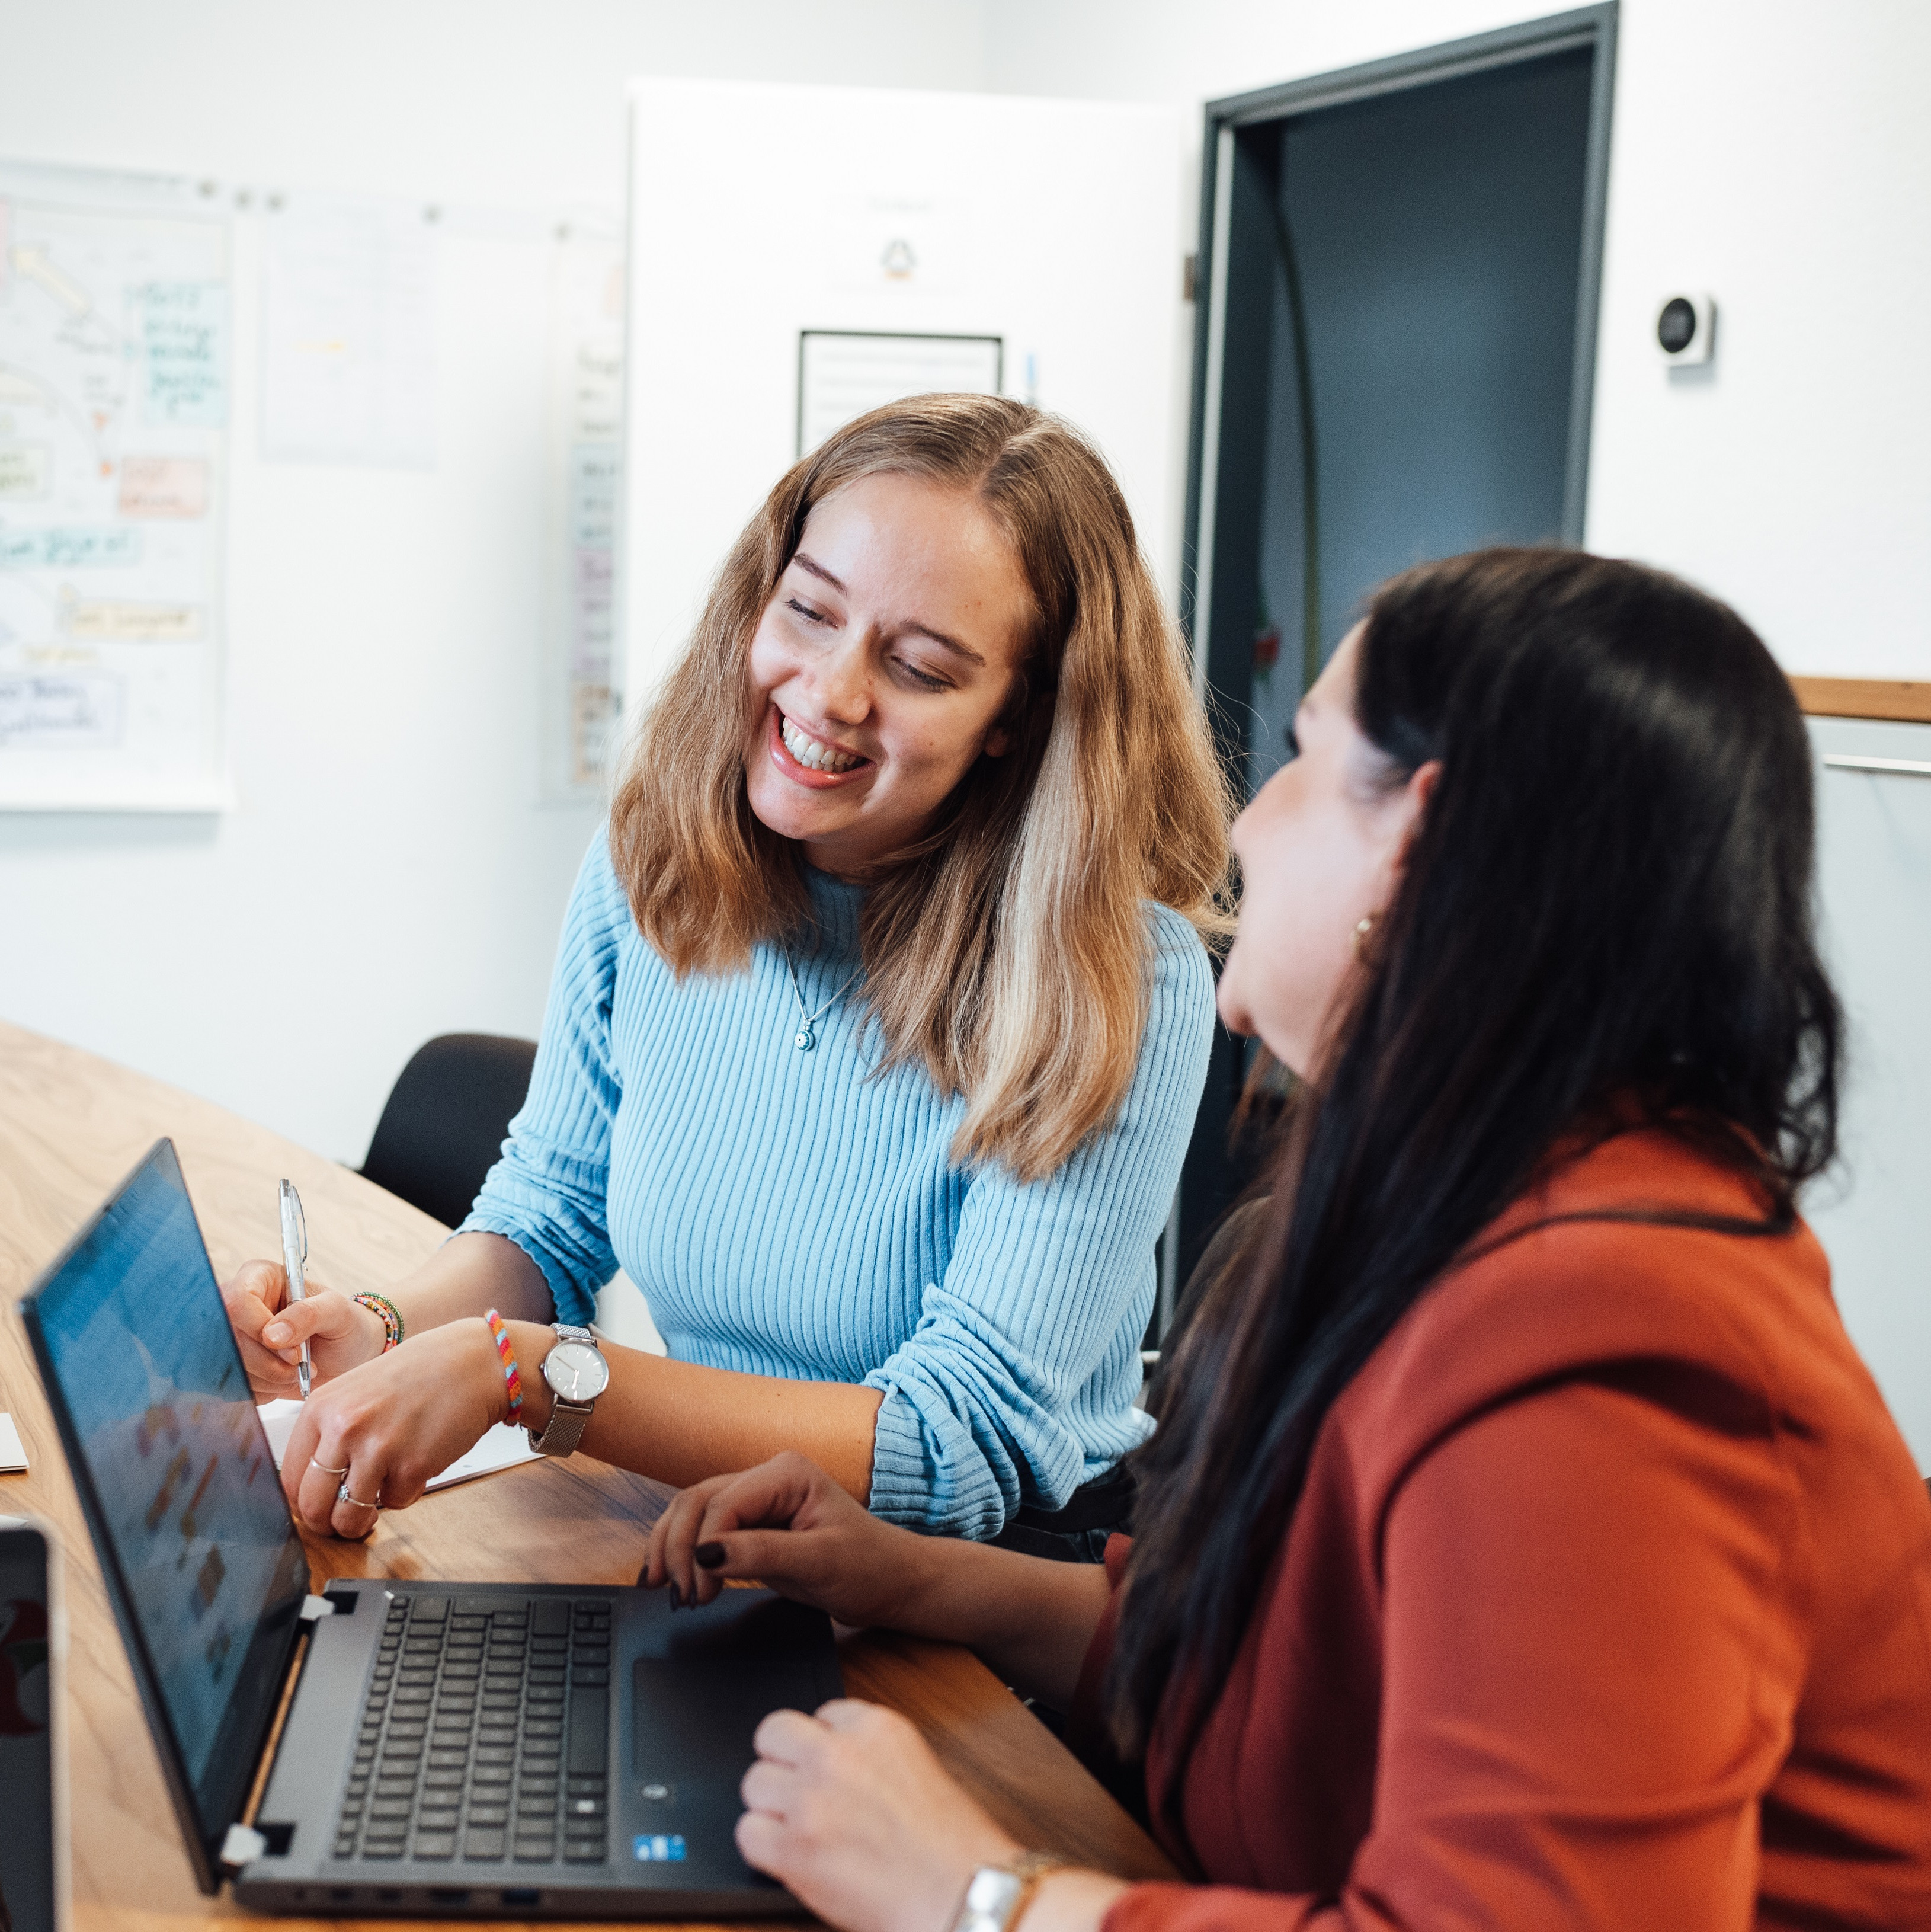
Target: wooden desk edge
{"points": [[1897, 701]]}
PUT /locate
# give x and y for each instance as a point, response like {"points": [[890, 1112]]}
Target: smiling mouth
{"points": [[813, 754]]}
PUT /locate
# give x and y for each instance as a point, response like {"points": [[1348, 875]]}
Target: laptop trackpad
{"points": [[694, 1724], [693, 1711]]}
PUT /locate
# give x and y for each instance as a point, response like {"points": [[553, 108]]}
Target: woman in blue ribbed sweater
{"points": [[878, 1022]]}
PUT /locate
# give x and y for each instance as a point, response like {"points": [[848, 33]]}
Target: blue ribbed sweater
{"points": [[794, 1214]]}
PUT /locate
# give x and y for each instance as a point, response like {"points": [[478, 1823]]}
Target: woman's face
{"points": [[1320, 849], [880, 666]]}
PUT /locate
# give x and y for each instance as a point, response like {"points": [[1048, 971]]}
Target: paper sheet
{"points": [[12, 1453], [842, 374], [582, 705], [349, 333], [501, 1447]]}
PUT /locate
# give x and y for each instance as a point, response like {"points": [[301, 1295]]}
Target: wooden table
{"points": [[71, 1126]]}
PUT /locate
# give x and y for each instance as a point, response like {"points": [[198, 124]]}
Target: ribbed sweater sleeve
{"points": [[1047, 1281], [550, 1192]]}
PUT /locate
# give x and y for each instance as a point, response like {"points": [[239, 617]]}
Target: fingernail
{"points": [[676, 1597], [710, 1555], [277, 1332]]}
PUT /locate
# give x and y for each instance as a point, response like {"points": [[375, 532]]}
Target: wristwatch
{"points": [[577, 1374], [998, 1894]]}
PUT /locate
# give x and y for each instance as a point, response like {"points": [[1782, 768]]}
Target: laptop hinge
{"points": [[242, 1847], [313, 1606]]}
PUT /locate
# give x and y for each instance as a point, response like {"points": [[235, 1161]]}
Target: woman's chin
{"points": [[821, 826]]}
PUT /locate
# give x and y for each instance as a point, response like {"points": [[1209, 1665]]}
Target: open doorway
{"points": [[1395, 359]]}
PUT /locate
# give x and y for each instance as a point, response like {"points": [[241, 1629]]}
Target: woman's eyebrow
{"points": [[913, 628], [817, 570]]}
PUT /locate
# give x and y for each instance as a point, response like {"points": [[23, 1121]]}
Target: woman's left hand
{"points": [[851, 1810], [391, 1423]]}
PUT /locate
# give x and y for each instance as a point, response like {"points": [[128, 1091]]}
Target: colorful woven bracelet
{"points": [[390, 1315], [508, 1356]]}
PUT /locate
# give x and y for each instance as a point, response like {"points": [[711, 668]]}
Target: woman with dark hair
{"points": [[1523, 1543]]}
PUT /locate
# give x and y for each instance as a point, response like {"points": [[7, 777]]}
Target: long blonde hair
{"points": [[1007, 951]]}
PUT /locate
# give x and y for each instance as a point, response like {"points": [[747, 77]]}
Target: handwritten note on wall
{"points": [[114, 398], [582, 702]]}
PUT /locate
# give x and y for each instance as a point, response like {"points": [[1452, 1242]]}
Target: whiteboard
{"points": [[115, 305], [759, 213], [1872, 1212]]}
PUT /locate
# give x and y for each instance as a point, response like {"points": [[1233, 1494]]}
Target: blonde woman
{"points": [[880, 1020]]}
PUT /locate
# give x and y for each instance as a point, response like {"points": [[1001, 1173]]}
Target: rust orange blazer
{"points": [[1608, 1604]]}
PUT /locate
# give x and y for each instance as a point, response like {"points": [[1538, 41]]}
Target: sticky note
{"points": [[13, 1455]]}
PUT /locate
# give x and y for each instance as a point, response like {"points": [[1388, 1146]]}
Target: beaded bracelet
{"points": [[508, 1356], [390, 1315]]}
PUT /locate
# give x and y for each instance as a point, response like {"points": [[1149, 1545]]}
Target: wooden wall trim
{"points": [[1906, 700]]}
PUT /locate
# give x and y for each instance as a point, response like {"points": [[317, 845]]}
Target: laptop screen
{"points": [[195, 1538]]}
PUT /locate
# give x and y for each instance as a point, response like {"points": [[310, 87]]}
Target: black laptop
{"points": [[456, 1749]]}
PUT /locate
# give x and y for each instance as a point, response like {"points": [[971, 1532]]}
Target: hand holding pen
{"points": [[295, 1253]]}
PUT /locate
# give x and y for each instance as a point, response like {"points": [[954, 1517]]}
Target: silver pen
{"points": [[294, 1252]]}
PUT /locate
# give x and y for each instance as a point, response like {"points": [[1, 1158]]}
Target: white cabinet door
{"points": [[761, 214], [1873, 1214]]}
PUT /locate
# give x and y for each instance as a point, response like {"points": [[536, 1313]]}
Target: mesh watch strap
{"points": [[567, 1420]]}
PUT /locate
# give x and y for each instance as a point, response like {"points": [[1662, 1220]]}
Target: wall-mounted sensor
{"points": [[1686, 329]]}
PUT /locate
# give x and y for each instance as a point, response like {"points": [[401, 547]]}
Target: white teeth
{"points": [[811, 754]]}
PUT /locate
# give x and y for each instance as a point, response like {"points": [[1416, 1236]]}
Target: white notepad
{"points": [[501, 1447], [13, 1454]]}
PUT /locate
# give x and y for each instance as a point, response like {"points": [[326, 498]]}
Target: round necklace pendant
{"points": [[804, 1042]]}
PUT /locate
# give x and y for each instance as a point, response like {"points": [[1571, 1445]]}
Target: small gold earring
{"points": [[1362, 928]]}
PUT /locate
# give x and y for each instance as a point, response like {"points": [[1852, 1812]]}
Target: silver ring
{"points": [[326, 1470], [342, 1495]]}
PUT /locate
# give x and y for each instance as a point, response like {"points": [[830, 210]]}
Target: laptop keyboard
{"points": [[485, 1735]]}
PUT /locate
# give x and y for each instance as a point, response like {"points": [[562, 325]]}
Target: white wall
{"points": [[1772, 152], [1777, 154], [388, 874]]}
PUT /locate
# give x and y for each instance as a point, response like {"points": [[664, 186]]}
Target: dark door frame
{"points": [[1591, 27]]}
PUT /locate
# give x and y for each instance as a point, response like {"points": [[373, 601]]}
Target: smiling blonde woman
{"points": [[880, 1020]]}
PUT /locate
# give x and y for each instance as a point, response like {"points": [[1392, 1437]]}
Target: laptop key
{"points": [[436, 1844], [486, 1844], [577, 1852], [589, 1731]]}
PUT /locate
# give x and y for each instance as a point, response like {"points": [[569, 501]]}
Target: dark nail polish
{"points": [[676, 1597], [709, 1554]]}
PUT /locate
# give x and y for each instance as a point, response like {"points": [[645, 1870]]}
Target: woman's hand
{"points": [[385, 1428], [851, 1810], [788, 1525], [270, 1330]]}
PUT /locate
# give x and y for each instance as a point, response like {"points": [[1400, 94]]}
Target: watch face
{"points": [[577, 1371]]}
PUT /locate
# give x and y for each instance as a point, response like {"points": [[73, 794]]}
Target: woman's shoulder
{"points": [[1599, 1275], [1178, 957]]}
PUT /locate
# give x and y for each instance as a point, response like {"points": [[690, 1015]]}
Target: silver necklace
{"points": [[806, 1037]]}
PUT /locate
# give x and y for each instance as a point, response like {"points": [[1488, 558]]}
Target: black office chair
{"points": [[443, 1126]]}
